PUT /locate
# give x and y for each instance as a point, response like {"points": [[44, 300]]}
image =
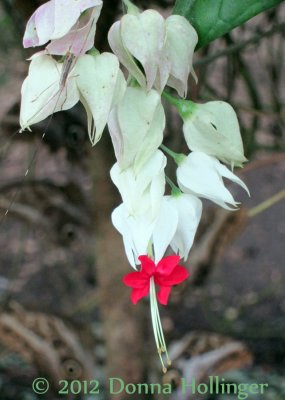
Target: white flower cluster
{"points": [[156, 52]]}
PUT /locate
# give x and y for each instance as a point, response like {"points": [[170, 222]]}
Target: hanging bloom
{"points": [[201, 175], [165, 274], [165, 51], [189, 210], [136, 127], [96, 80], [213, 129], [139, 230], [54, 19], [136, 219]]}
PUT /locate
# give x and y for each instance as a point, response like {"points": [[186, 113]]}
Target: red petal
{"points": [[138, 294], [178, 275], [148, 266], [163, 294], [166, 265], [135, 280]]}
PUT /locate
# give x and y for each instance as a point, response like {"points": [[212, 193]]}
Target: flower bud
{"points": [[213, 128]]}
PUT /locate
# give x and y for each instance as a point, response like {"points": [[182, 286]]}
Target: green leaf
{"points": [[214, 18]]}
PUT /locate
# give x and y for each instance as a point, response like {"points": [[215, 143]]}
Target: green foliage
{"points": [[214, 18]]}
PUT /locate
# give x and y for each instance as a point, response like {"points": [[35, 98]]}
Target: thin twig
{"points": [[253, 165], [266, 204], [239, 46]]}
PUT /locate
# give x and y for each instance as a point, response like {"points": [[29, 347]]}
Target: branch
{"points": [[239, 46]]}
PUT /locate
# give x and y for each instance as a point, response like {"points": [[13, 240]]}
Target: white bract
{"points": [[164, 48], [41, 92], [142, 193], [102, 85], [136, 127], [213, 128], [189, 210], [202, 176], [140, 232], [96, 81], [54, 19], [145, 217], [181, 40]]}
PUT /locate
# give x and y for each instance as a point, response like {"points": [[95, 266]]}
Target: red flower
{"points": [[165, 274]]}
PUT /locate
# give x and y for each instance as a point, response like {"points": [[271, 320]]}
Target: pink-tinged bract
{"points": [[56, 19]]}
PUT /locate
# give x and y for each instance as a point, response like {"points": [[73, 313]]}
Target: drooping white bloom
{"points": [[189, 209], [201, 175], [96, 80], [136, 127], [142, 192], [135, 230], [213, 129], [145, 217], [139, 231], [54, 19], [165, 49]]}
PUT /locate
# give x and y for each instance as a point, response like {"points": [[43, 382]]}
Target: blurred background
{"points": [[64, 312]]}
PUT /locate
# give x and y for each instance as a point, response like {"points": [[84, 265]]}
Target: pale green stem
{"points": [[266, 204], [175, 191], [184, 107], [178, 157], [132, 9], [172, 100]]}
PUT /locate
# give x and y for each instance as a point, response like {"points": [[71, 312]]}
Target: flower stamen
{"points": [[165, 274], [157, 328]]}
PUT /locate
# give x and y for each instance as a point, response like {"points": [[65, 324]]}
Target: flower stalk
{"points": [[177, 157], [175, 191], [184, 107], [131, 8]]}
